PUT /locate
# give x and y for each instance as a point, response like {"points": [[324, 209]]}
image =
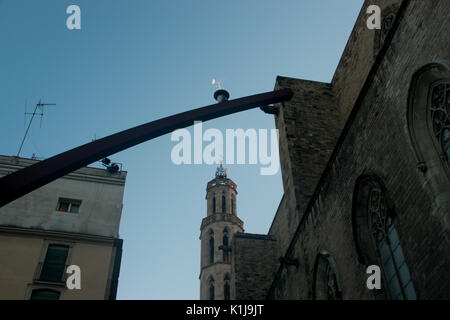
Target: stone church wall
{"points": [[358, 57], [375, 142]]}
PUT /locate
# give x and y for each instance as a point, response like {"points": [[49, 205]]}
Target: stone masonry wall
{"points": [[377, 143], [308, 129], [358, 57], [253, 264]]}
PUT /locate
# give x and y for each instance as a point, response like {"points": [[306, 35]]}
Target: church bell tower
{"points": [[216, 231]]}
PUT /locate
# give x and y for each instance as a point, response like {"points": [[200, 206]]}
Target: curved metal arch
{"points": [[30, 178]]}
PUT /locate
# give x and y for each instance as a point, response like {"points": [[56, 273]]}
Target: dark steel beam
{"points": [[30, 178]]}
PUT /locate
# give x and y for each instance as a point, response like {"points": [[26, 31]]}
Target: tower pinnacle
{"points": [[221, 172]]}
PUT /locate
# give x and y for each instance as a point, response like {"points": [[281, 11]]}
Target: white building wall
{"points": [[100, 192]]}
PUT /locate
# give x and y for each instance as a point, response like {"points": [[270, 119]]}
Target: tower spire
{"points": [[221, 172]]}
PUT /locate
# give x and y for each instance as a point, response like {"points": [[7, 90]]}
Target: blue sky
{"points": [[137, 61]]}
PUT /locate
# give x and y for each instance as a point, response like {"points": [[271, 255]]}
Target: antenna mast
{"points": [[38, 105]]}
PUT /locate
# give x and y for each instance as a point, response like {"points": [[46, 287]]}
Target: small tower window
{"points": [[224, 206], [232, 204], [214, 204], [211, 247], [226, 254], [226, 287], [211, 288]]}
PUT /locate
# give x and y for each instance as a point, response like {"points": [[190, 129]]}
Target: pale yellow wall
{"points": [[19, 258], [94, 261]]}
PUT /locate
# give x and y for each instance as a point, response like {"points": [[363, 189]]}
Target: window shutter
{"points": [[54, 264], [44, 295]]}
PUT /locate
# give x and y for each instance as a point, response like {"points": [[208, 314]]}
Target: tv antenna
{"points": [[40, 105]]}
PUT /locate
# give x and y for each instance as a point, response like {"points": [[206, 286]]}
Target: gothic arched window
{"points": [[326, 281], [390, 252], [211, 288], [377, 239], [429, 124], [211, 247], [224, 206], [226, 287], [439, 113]]}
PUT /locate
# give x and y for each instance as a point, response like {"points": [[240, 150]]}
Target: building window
{"points": [[226, 287], [439, 112], [211, 288], [211, 247], [224, 207], [54, 263], [391, 255], [326, 281], [68, 205], [214, 204], [44, 294]]}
